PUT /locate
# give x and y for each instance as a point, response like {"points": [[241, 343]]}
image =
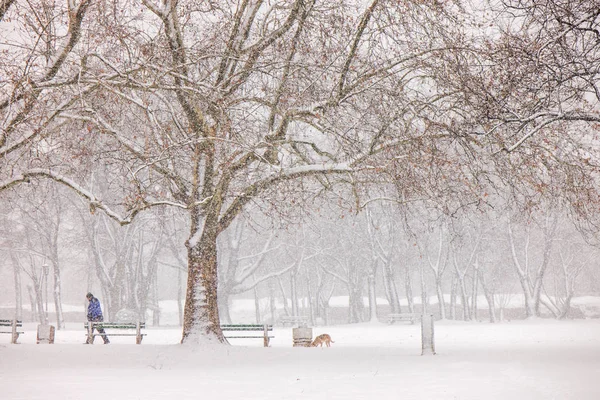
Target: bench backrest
{"points": [[245, 327], [117, 325], [293, 318], [9, 322]]}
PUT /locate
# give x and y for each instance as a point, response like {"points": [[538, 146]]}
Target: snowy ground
{"points": [[540, 359]]}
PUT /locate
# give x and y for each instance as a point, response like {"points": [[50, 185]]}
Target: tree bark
{"points": [[201, 321]]}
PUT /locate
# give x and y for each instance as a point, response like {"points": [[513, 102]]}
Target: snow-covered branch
{"points": [[95, 203]]}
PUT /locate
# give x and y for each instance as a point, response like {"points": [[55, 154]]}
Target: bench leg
{"points": [[266, 335], [138, 331], [15, 334], [90, 336]]}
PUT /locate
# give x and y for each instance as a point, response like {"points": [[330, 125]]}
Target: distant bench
{"points": [[264, 329], [15, 326], [116, 329], [293, 320], [403, 317]]}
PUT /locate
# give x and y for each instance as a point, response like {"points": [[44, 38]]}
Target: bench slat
{"points": [[119, 334], [115, 326], [412, 317], [245, 328], [248, 337]]}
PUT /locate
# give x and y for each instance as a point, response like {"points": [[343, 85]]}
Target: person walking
{"points": [[94, 314]]}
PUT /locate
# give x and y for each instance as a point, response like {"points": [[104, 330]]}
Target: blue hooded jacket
{"points": [[94, 313]]}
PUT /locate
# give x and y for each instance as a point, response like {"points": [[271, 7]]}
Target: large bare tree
{"points": [[208, 106]]}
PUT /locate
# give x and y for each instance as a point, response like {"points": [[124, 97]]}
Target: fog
{"points": [[472, 263]]}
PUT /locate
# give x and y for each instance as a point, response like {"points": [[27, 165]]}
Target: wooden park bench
{"points": [[15, 325], [298, 320], [116, 329], [403, 317], [245, 332]]}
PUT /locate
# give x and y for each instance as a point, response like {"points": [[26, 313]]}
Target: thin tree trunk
{"points": [[424, 297], [310, 297], [17, 282], [522, 272], [440, 296], [256, 306], [180, 296], [272, 300], [60, 320], [489, 296], [294, 293], [391, 288], [408, 289], [286, 308], [33, 303], [474, 294], [453, 297], [372, 298]]}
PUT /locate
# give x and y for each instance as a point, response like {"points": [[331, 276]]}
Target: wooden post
{"points": [[15, 335], [427, 343], [90, 338], [302, 337], [266, 335], [45, 334], [138, 337]]}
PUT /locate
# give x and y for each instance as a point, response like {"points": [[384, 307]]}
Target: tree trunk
{"points": [[201, 314], [286, 308], [489, 296], [60, 320], [474, 294], [522, 272], [32, 301], [372, 298], [256, 306], [391, 289], [310, 297], [424, 297], [294, 293], [272, 304], [453, 297], [39, 297], [224, 302], [440, 296], [180, 296], [408, 289], [549, 232], [18, 293]]}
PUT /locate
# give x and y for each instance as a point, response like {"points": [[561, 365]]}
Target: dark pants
{"points": [[101, 332]]}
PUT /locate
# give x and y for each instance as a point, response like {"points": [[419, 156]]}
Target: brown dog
{"points": [[324, 338]]}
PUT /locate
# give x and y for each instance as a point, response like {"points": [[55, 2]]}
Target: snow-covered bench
{"points": [[245, 332], [116, 329], [403, 317], [15, 325]]}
